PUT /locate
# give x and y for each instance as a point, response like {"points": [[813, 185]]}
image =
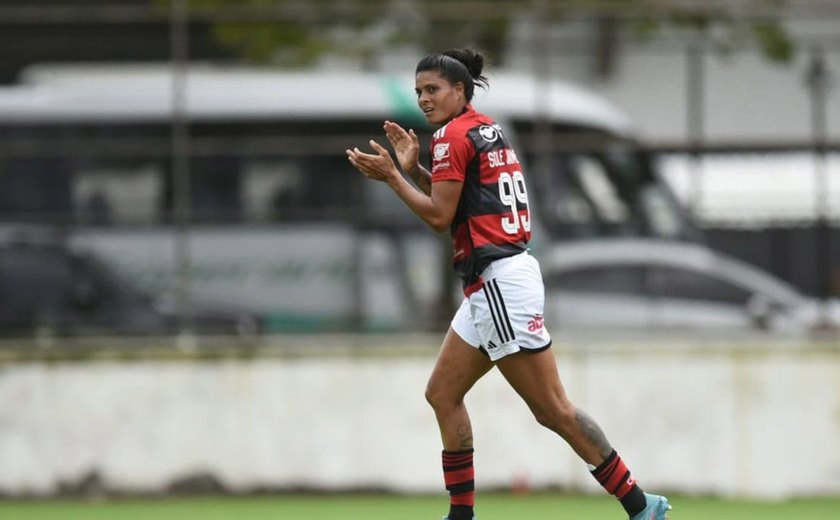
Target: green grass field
{"points": [[539, 506]]}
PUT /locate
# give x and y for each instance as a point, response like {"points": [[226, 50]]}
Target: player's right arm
{"points": [[422, 178], [406, 147]]}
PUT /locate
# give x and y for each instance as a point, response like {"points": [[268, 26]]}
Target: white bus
{"points": [[281, 223]]}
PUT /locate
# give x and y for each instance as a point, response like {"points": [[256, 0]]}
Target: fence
{"points": [[163, 183]]}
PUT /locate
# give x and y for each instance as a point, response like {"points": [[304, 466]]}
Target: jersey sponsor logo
{"points": [[488, 133], [441, 151], [536, 324], [440, 166]]}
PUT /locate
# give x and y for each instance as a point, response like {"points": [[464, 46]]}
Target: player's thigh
{"points": [[534, 376], [458, 367]]}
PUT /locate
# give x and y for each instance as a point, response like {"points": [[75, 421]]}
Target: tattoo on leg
{"points": [[593, 432], [465, 437]]}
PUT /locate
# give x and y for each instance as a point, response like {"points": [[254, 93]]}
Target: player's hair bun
{"points": [[473, 60]]}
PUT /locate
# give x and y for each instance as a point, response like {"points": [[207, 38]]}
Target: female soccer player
{"points": [[476, 188]]}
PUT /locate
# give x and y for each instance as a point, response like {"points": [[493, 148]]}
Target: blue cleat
{"points": [[657, 508]]}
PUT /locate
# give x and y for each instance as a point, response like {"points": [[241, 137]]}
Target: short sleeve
{"points": [[450, 157]]}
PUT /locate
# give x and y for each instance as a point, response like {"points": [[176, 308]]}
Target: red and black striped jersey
{"points": [[492, 220]]}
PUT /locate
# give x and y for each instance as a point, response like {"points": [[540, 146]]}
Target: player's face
{"points": [[439, 99]]}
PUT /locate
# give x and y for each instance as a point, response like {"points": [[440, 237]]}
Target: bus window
{"points": [[214, 184], [295, 188], [603, 191], [271, 188], [657, 207], [110, 193], [662, 218], [596, 186], [577, 197]]}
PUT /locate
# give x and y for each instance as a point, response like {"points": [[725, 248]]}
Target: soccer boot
{"points": [[657, 508]]}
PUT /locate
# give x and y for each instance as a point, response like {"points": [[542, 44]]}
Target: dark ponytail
{"points": [[457, 65]]}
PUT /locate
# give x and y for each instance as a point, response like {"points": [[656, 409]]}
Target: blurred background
{"points": [[196, 288]]}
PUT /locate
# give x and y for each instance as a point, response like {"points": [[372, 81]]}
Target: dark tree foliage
{"points": [[296, 32]]}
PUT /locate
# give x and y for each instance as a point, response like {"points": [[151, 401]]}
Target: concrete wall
{"points": [[693, 416]]}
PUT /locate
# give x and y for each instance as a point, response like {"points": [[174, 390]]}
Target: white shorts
{"points": [[506, 314]]}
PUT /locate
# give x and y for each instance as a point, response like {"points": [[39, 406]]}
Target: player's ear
{"points": [[460, 88]]}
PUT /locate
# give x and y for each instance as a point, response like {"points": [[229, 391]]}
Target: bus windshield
{"points": [[601, 186]]}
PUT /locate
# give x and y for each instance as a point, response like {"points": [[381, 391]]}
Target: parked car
{"points": [[655, 284], [46, 286]]}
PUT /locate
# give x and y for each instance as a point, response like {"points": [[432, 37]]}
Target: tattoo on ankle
{"points": [[593, 432]]}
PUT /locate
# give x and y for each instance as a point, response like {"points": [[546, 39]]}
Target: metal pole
{"points": [[180, 164], [695, 121], [543, 132], [818, 82]]}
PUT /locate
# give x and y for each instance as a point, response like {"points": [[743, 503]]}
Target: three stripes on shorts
{"points": [[498, 311]]}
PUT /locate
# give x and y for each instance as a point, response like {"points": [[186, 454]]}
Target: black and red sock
{"points": [[614, 476], [459, 477]]}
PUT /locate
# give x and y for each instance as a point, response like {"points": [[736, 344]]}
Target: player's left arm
{"points": [[437, 209]]}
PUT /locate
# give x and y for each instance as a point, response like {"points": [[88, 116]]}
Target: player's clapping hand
{"points": [[377, 166], [406, 145]]}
